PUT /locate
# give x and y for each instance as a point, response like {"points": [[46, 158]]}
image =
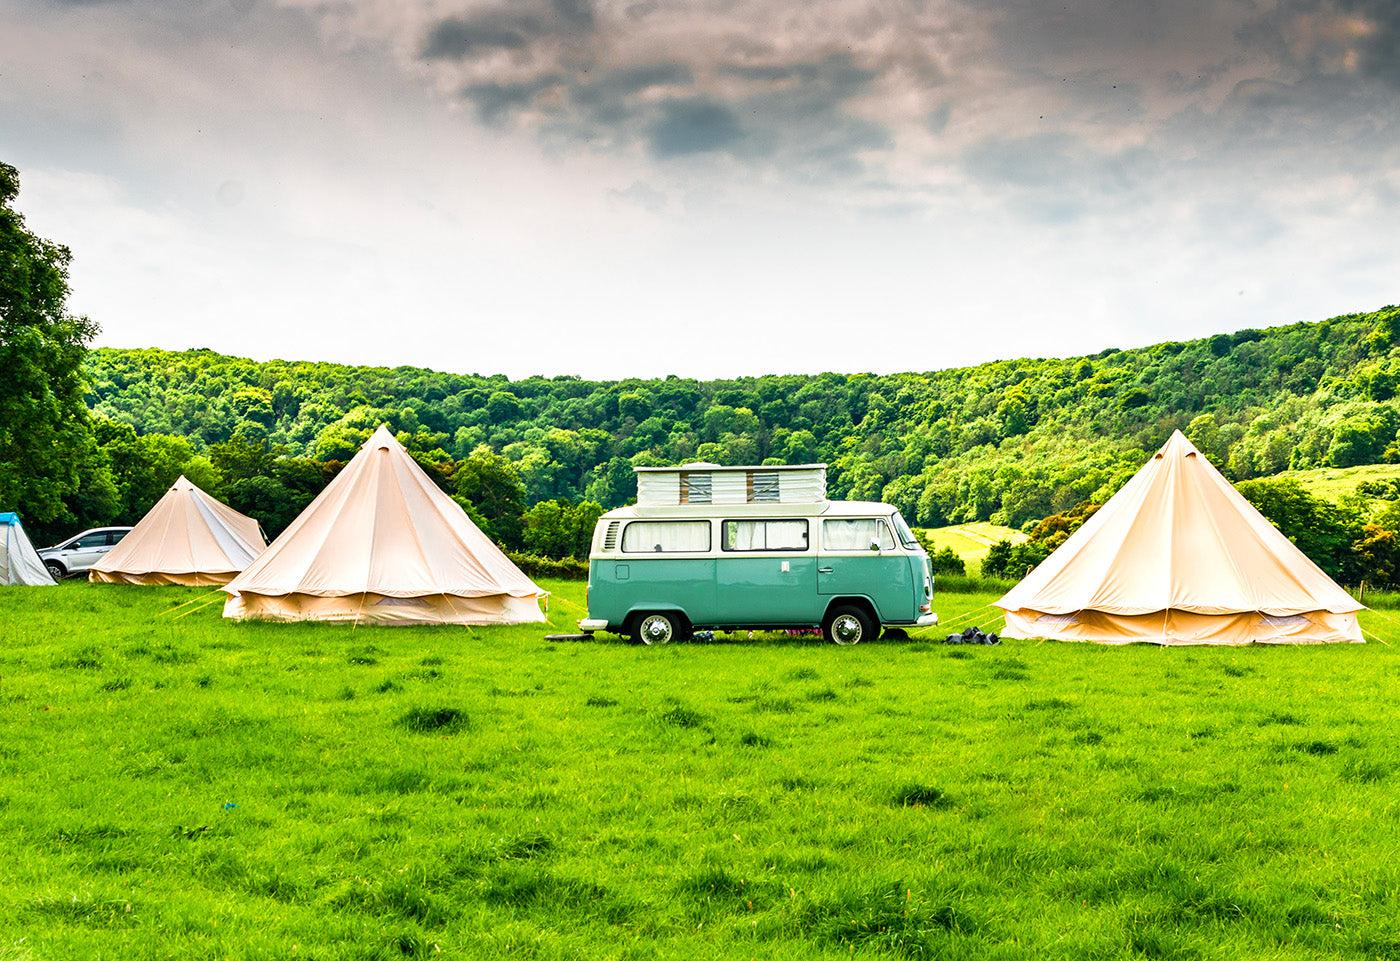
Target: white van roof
{"points": [[823, 509], [713, 485]]}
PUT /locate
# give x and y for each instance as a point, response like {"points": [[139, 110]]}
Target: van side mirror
{"points": [[875, 545]]}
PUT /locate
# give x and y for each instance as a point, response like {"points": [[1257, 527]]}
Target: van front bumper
{"points": [[590, 624], [927, 620]]}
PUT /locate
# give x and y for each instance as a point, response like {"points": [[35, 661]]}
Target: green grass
{"points": [[972, 541], [195, 788], [1330, 483]]}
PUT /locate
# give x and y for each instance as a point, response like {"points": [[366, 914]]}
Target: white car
{"points": [[80, 552]]}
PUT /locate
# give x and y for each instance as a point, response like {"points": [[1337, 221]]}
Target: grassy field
{"points": [[972, 541], [185, 787], [1331, 483]]}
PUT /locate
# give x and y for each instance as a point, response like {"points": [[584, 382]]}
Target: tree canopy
{"points": [[46, 446]]}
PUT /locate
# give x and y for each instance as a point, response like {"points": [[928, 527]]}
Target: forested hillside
{"points": [[1010, 441]]}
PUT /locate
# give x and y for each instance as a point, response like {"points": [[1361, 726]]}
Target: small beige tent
{"points": [[19, 562], [1179, 557], [187, 538], [383, 545]]}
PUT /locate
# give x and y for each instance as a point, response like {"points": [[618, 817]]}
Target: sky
{"points": [[714, 188]]}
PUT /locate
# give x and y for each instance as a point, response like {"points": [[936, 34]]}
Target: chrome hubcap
{"points": [[846, 629], [656, 630]]}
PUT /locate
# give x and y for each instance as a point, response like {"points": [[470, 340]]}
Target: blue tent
{"points": [[19, 563]]}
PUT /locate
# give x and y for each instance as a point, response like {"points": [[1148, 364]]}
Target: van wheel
{"points": [[661, 627], [56, 570], [847, 625]]}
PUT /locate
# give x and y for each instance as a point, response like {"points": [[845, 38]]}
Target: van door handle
{"points": [[823, 570]]}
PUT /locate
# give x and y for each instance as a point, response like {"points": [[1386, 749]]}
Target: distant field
{"points": [[1332, 482], [971, 541], [192, 788]]}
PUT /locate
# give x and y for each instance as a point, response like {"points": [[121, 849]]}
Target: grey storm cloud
{"points": [[915, 89], [1331, 37], [454, 39], [793, 111], [1059, 178], [694, 126], [513, 27]]}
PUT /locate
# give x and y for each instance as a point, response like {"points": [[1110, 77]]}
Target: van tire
{"points": [[658, 627], [847, 624]]}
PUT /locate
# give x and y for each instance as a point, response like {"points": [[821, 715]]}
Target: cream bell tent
{"points": [[187, 538], [1179, 557], [19, 562], [383, 545]]}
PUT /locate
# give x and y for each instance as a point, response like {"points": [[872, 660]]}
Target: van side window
{"points": [[856, 534], [666, 537], [770, 535]]}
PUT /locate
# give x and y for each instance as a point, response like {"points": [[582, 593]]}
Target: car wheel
{"points": [[847, 625], [661, 627], [56, 570]]}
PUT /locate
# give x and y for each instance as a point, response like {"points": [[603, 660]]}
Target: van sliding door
{"points": [[766, 573]]}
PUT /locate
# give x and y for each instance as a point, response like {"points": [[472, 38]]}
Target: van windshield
{"points": [[903, 531]]}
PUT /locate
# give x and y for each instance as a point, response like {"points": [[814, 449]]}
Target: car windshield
{"points": [[903, 531]]}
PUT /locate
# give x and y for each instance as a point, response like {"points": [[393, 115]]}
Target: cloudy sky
{"points": [[620, 188]]}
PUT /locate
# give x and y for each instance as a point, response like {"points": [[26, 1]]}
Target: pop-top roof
{"points": [[701, 484]]}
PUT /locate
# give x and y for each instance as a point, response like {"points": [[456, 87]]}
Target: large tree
{"points": [[45, 438]]}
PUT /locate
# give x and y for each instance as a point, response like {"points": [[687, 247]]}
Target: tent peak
{"points": [[382, 438]]}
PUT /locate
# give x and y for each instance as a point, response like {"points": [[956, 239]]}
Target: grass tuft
{"points": [[887, 919], [1316, 748], [521, 847], [682, 716], [1364, 771], [434, 720], [85, 910], [920, 795], [1049, 704]]}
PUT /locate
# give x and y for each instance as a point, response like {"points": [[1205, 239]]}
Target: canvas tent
{"points": [[383, 545], [1178, 556], [19, 562], [187, 538]]}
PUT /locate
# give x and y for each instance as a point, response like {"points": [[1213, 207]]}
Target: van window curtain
{"points": [[775, 535], [856, 534], [650, 537]]}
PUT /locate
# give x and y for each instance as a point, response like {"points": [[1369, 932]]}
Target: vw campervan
{"points": [[734, 548]]}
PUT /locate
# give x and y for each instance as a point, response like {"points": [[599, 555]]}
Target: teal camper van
{"points": [[756, 548]]}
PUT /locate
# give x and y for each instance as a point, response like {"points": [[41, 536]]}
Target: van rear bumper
{"points": [[927, 620], [590, 624]]}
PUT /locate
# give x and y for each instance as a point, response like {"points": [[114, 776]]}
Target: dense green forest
{"points": [[1008, 441]]}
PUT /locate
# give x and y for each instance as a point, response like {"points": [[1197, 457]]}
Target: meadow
{"points": [[972, 541], [173, 785]]}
